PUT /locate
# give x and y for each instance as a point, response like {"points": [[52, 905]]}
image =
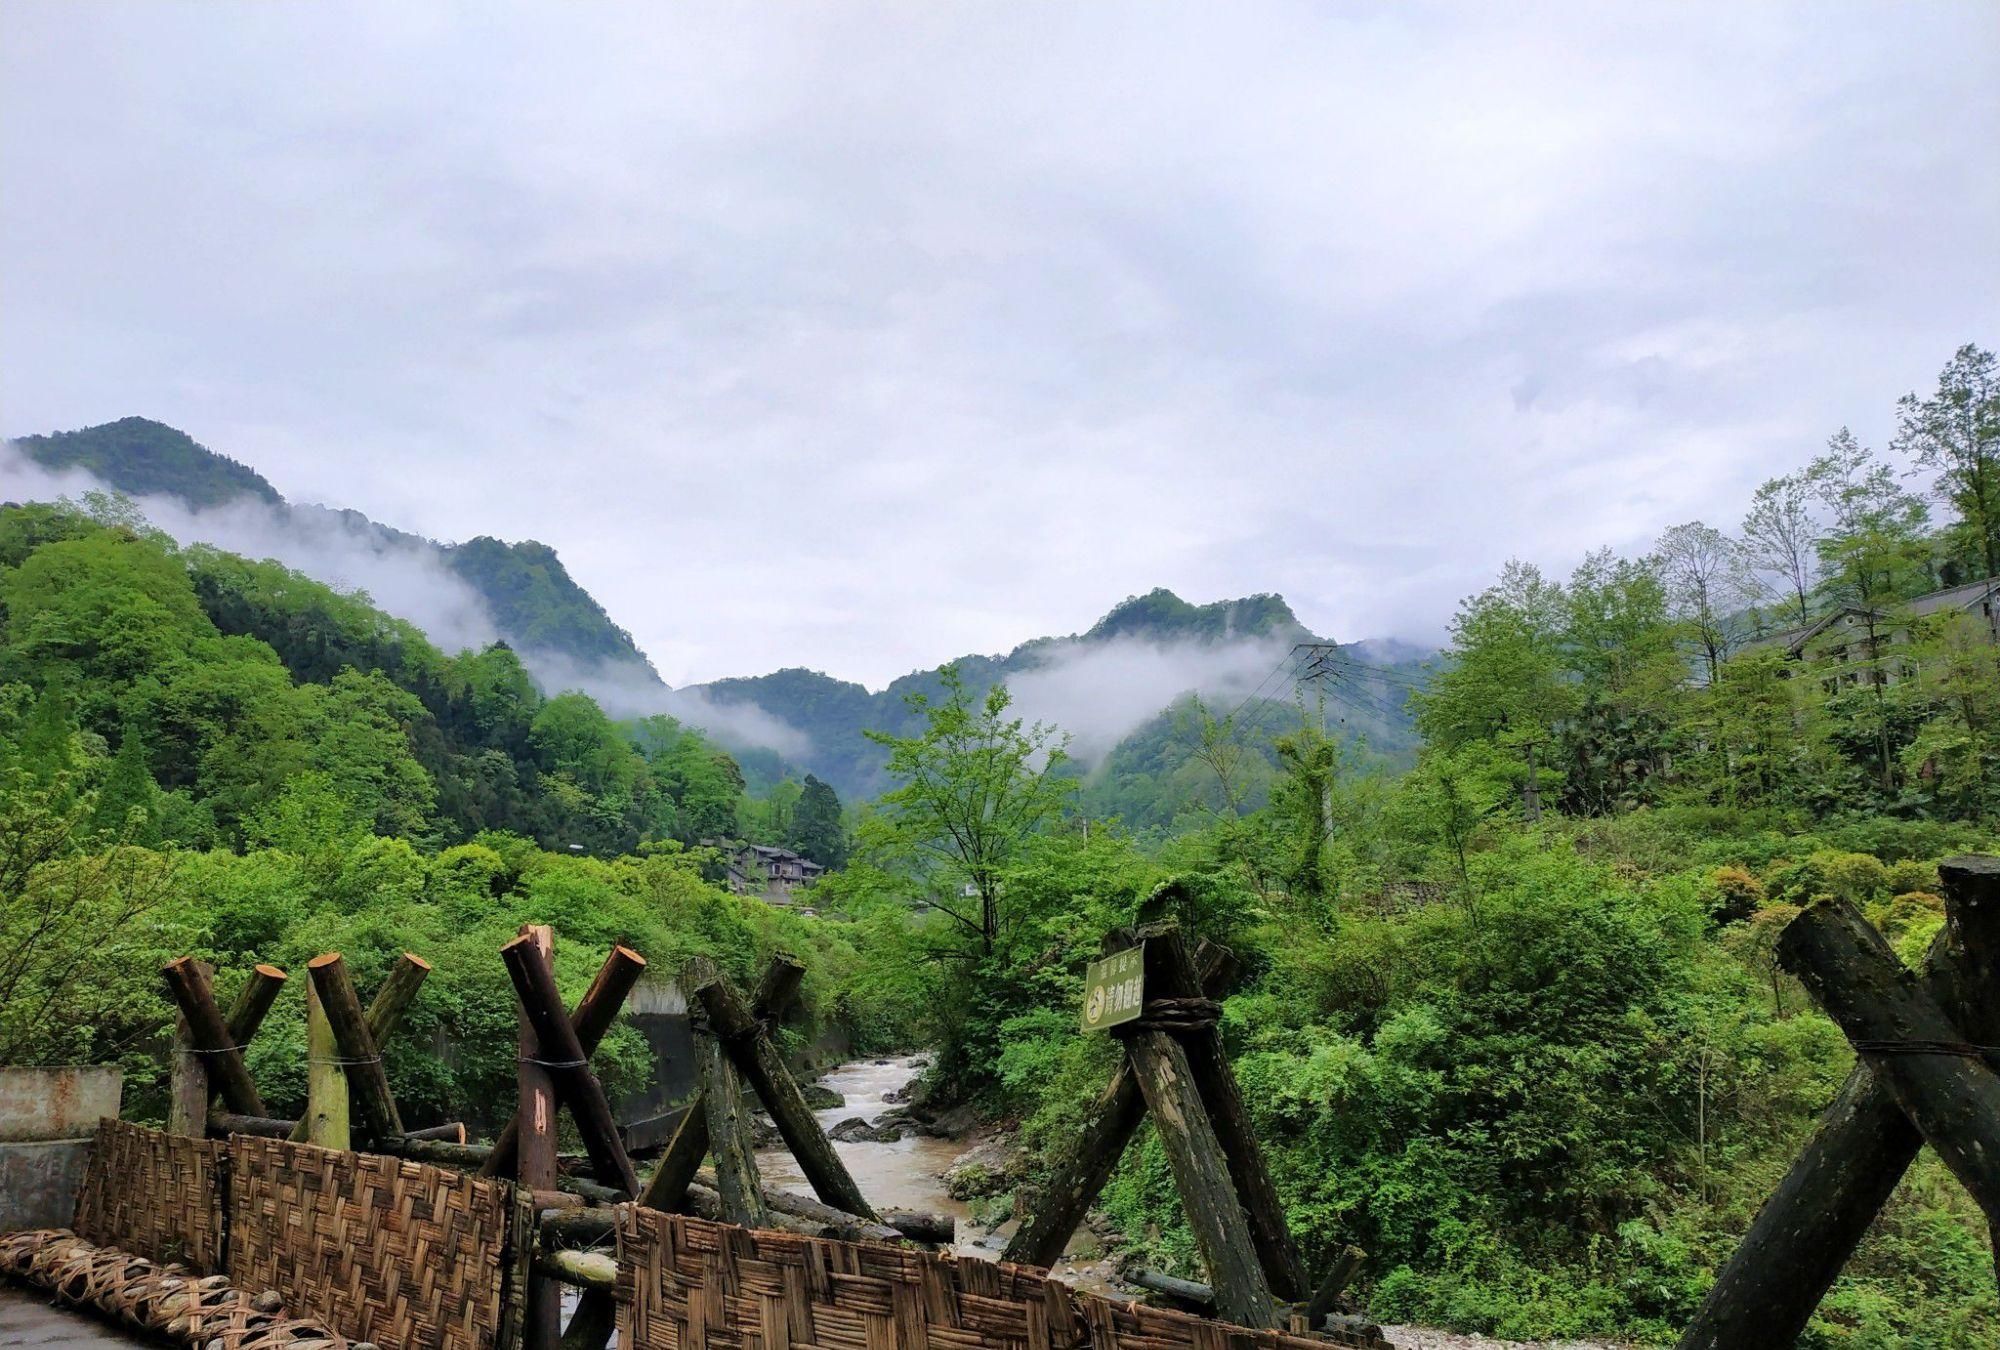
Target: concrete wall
{"points": [[47, 1119]]}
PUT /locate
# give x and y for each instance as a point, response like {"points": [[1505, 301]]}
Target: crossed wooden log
{"points": [[1925, 1074], [1175, 1068]]}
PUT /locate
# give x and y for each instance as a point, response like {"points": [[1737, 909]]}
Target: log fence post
{"points": [[535, 1156], [360, 1055], [1794, 1249], [1942, 1084], [1201, 1173], [1171, 973], [326, 1118], [1112, 1122], [748, 1044], [592, 1019], [189, 981], [776, 992], [568, 1068]]}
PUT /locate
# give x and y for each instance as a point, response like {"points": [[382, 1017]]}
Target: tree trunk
{"points": [[749, 1047], [189, 981], [1805, 1233], [592, 1019], [326, 1122], [684, 1152], [1201, 1173], [1112, 1122], [535, 1158], [385, 1010], [568, 1067], [1953, 1099], [361, 1059], [1171, 973], [729, 1138]]}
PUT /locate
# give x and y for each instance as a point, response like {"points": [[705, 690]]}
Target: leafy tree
{"points": [[1872, 556], [1504, 674], [1781, 541], [817, 831], [1709, 585], [1956, 433], [973, 785]]}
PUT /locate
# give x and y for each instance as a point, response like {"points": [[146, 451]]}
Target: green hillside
{"points": [[535, 603], [231, 701], [143, 457]]}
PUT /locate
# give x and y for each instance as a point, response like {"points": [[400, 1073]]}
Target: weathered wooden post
{"points": [[385, 1011], [326, 1118], [188, 979], [568, 1068], [188, 1089], [535, 1168], [1201, 1173], [1171, 975], [1942, 1083], [729, 1135], [360, 1056], [1113, 1120], [1766, 1292], [748, 1045], [776, 992], [592, 1019]]}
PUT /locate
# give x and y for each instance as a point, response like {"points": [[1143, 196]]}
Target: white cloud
{"points": [[857, 338]]}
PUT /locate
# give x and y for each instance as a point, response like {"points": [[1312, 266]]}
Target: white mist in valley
{"points": [[1102, 692]]}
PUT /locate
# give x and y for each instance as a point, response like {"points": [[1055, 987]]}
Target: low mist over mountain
{"points": [[462, 595], [1122, 690]]}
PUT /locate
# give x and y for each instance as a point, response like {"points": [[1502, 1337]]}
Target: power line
{"points": [[1285, 663]]}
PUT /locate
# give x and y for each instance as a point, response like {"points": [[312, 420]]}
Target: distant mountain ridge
{"points": [[833, 713], [534, 602], [1120, 685]]}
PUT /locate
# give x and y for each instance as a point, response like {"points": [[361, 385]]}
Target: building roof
{"points": [[1965, 597]]}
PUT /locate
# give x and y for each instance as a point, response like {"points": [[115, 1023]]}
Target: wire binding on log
{"points": [[554, 1063], [1963, 1049], [1174, 1014]]}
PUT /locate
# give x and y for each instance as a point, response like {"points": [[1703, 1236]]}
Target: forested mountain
{"points": [[1132, 689], [533, 602], [229, 701], [143, 457], [1137, 683]]}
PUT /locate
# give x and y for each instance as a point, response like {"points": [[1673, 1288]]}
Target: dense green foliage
{"points": [[241, 697], [203, 754], [1511, 1020], [534, 603]]}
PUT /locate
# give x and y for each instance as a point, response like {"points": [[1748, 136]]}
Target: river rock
{"points": [[820, 1097], [953, 1124], [985, 1169], [855, 1130]]}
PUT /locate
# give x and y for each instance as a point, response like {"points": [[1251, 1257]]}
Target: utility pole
{"points": [[1531, 790]]}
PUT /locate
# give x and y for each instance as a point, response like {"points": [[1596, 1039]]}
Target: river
{"points": [[902, 1175]]}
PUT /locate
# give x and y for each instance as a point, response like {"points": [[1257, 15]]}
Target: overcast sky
{"points": [[859, 338]]}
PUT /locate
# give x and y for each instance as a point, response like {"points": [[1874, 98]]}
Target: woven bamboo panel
{"points": [[154, 1195], [387, 1250], [689, 1284]]}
